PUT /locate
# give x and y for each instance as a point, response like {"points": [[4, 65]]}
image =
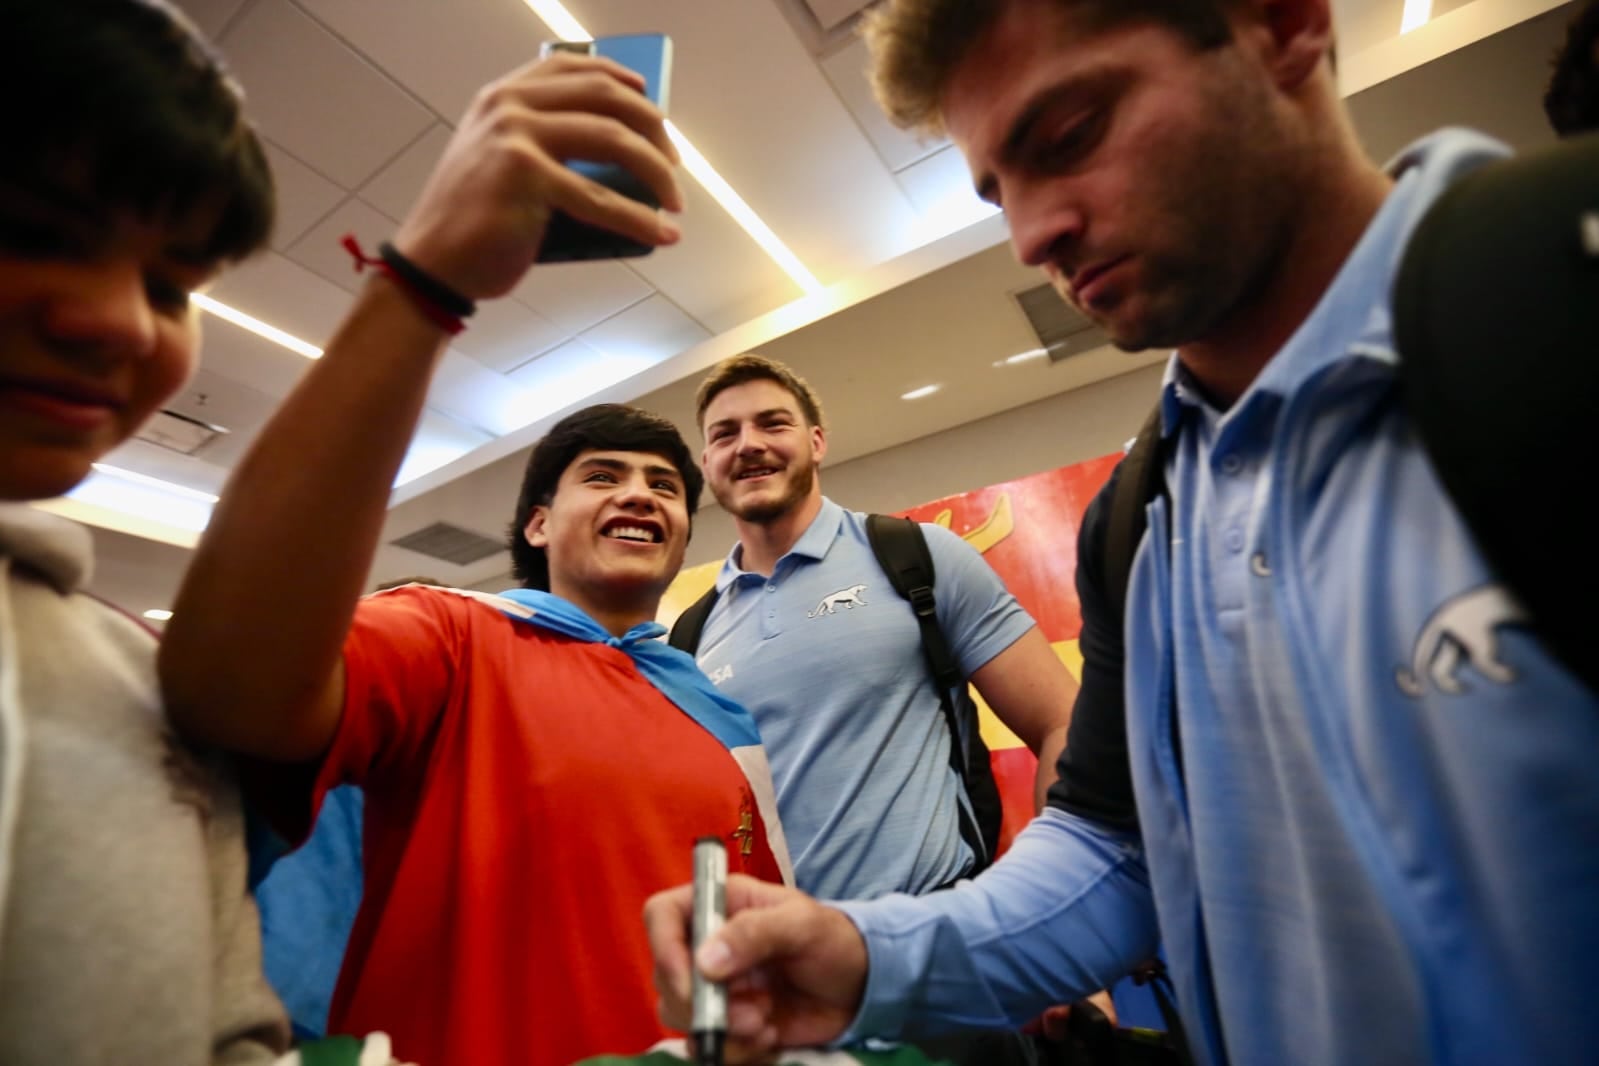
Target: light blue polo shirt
{"points": [[828, 658], [1379, 842]]}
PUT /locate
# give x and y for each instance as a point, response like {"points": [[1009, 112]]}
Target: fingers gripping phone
{"points": [[565, 238]]}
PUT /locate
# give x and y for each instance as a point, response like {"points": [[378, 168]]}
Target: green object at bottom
{"points": [[331, 1051], [901, 1056]]}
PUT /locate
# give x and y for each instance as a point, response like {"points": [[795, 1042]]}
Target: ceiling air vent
{"points": [[179, 432], [1062, 331], [450, 543]]}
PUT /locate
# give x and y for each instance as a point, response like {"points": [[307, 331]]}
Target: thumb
{"points": [[751, 939]]}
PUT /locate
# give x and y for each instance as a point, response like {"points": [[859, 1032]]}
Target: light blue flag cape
{"points": [[308, 900]]}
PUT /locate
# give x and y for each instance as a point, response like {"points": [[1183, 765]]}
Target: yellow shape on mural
{"points": [[997, 734]]}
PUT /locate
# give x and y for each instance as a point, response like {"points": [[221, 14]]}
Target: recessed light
{"points": [[917, 394], [1022, 357], [156, 614], [1415, 15]]}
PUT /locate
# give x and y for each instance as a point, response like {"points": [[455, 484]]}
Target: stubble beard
{"points": [[761, 512]]}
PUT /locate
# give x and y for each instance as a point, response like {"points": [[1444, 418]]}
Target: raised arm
{"points": [[251, 659]]}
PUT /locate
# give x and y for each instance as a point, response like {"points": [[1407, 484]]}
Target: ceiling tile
{"points": [[316, 97], [304, 196], [647, 332], [152, 460], [242, 357], [566, 375], [470, 392], [576, 296], [444, 52], [783, 139], [285, 294], [320, 251], [716, 272], [211, 16], [846, 69], [504, 334], [395, 188]]}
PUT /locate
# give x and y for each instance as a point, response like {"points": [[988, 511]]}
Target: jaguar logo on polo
{"points": [[1463, 633], [849, 598]]}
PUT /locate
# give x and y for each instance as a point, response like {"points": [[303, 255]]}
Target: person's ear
{"points": [[534, 532], [818, 443], [1301, 35]]}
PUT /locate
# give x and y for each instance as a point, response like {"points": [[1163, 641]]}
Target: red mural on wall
{"points": [[1027, 531]]}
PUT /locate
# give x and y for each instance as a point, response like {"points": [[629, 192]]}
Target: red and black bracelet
{"points": [[442, 305]]}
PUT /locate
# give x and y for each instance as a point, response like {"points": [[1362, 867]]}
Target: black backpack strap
{"points": [[901, 550], [1140, 479], [686, 631], [1496, 321]]}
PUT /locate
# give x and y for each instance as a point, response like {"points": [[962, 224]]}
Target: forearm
{"points": [[260, 621], [1048, 753], [1065, 913]]}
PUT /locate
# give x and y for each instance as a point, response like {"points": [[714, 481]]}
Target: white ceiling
{"points": [[356, 99]]}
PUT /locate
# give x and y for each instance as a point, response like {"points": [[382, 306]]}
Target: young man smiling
{"points": [[1318, 746], [533, 763], [860, 751]]}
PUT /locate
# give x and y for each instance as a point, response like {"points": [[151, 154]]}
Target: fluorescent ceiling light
{"points": [[156, 614], [1416, 13], [258, 327], [147, 498], [917, 394], [697, 165], [559, 20], [566, 27], [155, 483], [1022, 357]]}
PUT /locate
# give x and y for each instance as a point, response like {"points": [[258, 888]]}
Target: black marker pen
{"points": [[709, 1030]]}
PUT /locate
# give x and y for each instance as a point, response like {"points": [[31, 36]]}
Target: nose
{"points": [[1044, 226], [750, 441], [103, 307], [634, 494]]}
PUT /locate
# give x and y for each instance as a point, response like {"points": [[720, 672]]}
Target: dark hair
{"points": [[750, 366], [602, 427], [127, 101], [917, 44], [1572, 99]]}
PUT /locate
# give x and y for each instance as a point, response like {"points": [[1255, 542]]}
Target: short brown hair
{"points": [[917, 44], [754, 367]]}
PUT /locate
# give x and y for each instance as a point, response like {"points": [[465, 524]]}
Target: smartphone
{"points": [[565, 238]]}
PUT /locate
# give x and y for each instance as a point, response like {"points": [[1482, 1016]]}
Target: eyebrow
{"points": [[1037, 107], [621, 466], [768, 413]]}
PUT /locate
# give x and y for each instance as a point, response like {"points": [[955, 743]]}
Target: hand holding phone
{"points": [[565, 238]]}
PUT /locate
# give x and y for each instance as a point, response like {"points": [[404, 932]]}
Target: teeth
{"points": [[756, 473], [631, 533]]}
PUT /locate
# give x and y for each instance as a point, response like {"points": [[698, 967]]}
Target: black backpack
{"points": [[1496, 321], [901, 551]]}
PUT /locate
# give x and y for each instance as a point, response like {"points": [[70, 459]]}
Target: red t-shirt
{"points": [[525, 794]]}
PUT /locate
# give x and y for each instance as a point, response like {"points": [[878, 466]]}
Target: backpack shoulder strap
{"points": [[1140, 478], [901, 550], [685, 635]]}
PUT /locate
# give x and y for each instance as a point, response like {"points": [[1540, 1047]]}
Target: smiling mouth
{"points": [[633, 534], [756, 472]]}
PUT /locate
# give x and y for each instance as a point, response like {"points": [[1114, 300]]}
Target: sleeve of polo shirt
{"points": [[400, 660], [1096, 780], [979, 616]]}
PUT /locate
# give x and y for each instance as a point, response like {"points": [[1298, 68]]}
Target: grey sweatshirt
{"points": [[126, 933]]}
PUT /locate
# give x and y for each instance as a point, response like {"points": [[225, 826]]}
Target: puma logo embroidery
{"points": [[850, 597], [1463, 631]]}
